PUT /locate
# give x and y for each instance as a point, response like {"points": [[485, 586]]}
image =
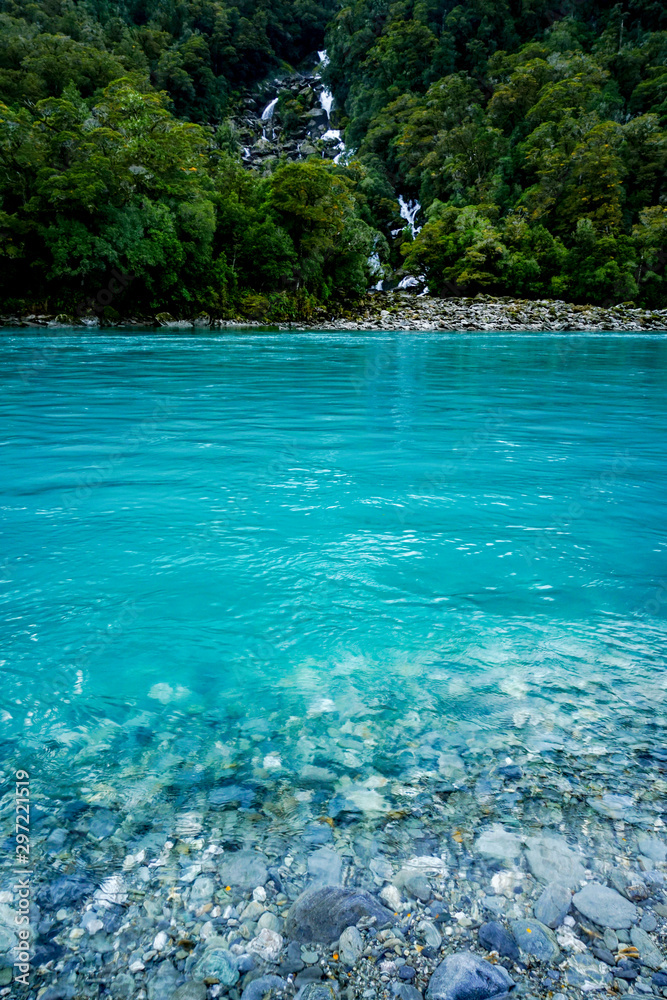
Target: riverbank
{"points": [[401, 310]]}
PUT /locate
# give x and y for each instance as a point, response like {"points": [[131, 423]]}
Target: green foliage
{"points": [[533, 135], [124, 185]]}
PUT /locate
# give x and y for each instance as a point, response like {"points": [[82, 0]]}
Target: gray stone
{"points": [[322, 914], [217, 963], [648, 951], [584, 969], [316, 991], [498, 844], [201, 892], [536, 939], [350, 945], [611, 939], [494, 937], [553, 905], [163, 982], [244, 869], [652, 847], [405, 991], [190, 991], [605, 906], [265, 986], [122, 986], [648, 922], [418, 887], [465, 976], [551, 860], [430, 933], [325, 866], [270, 921]]}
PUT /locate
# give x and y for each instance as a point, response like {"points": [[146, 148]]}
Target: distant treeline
{"points": [[533, 134]]}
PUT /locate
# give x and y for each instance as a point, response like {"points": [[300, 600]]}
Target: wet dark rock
{"points": [[262, 987], [465, 976], [407, 972], [404, 991], [323, 914], [66, 890], [604, 956], [494, 937], [511, 772], [313, 974], [659, 979], [316, 991], [626, 971]]}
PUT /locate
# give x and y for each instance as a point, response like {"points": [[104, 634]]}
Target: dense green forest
{"points": [[533, 133]]}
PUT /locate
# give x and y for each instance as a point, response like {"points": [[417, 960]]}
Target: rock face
{"points": [[605, 906], [465, 976], [298, 124], [323, 914]]}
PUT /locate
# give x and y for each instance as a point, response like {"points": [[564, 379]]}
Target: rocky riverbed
{"points": [[358, 858], [405, 311], [401, 310]]}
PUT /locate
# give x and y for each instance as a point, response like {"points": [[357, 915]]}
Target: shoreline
{"points": [[407, 312]]}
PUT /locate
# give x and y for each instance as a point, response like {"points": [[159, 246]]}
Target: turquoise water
{"points": [[217, 537]]}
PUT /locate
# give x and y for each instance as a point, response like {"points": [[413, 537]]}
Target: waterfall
{"points": [[326, 100], [267, 113], [409, 210]]}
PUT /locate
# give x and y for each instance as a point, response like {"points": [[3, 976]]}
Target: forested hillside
{"points": [[532, 134]]}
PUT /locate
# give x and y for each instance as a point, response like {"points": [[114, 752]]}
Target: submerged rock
{"points": [[263, 987], [553, 905], [605, 906], [551, 860], [323, 914], [465, 976], [217, 963], [536, 939], [244, 869], [494, 937], [648, 952]]}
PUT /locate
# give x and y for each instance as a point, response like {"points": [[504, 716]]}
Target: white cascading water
{"points": [[326, 102], [267, 114], [409, 210]]}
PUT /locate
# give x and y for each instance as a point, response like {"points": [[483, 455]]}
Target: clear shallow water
{"points": [[231, 540]]}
